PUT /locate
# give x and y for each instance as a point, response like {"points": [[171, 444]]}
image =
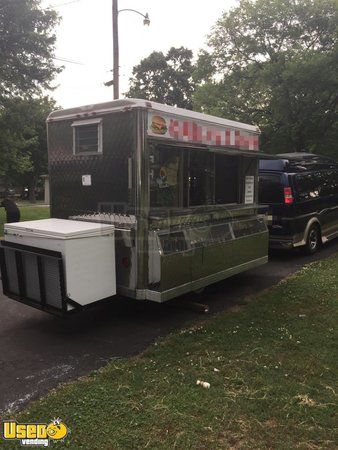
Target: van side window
{"points": [[309, 185], [330, 183], [270, 189]]}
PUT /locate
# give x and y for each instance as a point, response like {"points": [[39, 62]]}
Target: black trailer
{"points": [[179, 187]]}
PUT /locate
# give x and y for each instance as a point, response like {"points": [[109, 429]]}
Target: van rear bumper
{"points": [[281, 243], [286, 242]]}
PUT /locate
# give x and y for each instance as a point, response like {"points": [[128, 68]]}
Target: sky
{"points": [[85, 36]]}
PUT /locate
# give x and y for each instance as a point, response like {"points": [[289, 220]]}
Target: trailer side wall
{"points": [[110, 189]]}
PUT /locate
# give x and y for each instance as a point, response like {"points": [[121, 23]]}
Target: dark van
{"points": [[301, 191]]}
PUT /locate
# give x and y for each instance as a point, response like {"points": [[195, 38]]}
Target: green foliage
{"points": [[276, 65], [265, 30], [26, 47], [165, 78], [23, 139], [27, 43]]}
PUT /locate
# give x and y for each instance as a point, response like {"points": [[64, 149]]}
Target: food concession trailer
{"points": [[148, 201]]}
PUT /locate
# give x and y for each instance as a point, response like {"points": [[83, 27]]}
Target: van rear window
{"points": [[270, 189]]}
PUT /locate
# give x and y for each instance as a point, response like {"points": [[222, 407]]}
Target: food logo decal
{"points": [[158, 125]]}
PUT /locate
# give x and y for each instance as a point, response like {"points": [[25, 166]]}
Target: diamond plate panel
{"points": [[109, 170]]}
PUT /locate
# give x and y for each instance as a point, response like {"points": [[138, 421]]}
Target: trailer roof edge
{"points": [[243, 152], [125, 104]]}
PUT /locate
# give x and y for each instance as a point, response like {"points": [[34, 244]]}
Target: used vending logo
{"points": [[35, 434]]}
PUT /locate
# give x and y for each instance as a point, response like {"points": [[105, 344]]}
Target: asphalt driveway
{"points": [[39, 351]]}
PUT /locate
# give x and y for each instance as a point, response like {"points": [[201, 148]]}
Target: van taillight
{"points": [[288, 197]]}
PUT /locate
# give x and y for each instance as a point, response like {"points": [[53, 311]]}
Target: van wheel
{"points": [[313, 240], [198, 291]]}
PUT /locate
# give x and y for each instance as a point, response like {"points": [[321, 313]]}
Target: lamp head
{"points": [[146, 20]]}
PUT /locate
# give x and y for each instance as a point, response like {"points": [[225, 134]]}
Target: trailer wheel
{"points": [[313, 240]]}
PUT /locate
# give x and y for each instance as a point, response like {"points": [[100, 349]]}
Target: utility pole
{"points": [[116, 71]]}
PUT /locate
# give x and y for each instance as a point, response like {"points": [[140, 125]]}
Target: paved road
{"points": [[38, 351]]}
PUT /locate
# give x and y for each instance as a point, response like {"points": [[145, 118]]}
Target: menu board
{"points": [[249, 189]]}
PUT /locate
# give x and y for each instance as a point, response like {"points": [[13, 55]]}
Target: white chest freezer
{"points": [[59, 263]]}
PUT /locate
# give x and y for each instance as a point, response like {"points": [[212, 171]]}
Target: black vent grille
{"points": [[33, 276]]}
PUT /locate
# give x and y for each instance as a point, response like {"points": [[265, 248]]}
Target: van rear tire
{"points": [[313, 240]]}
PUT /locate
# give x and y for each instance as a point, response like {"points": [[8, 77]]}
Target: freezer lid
{"points": [[58, 228]]}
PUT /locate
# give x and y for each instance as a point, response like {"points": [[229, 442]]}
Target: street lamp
{"points": [[116, 75]]}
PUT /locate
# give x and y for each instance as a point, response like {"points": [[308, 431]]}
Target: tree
{"points": [[12, 144], [165, 78], [27, 45], [24, 141], [276, 65]]}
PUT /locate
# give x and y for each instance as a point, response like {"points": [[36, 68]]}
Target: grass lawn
{"points": [[272, 365], [27, 213]]}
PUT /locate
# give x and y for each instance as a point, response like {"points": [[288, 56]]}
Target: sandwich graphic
{"points": [[158, 125]]}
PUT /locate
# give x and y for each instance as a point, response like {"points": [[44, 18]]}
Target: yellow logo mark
{"points": [[35, 434], [57, 430]]}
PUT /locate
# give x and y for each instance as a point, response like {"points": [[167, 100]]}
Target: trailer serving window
{"points": [[166, 165], [185, 177], [226, 179], [87, 136], [199, 178]]}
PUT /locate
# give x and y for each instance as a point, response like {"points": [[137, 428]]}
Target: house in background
{"points": [[46, 189], [21, 192], [6, 190]]}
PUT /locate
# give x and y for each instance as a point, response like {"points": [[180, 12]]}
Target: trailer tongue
{"points": [[161, 201]]}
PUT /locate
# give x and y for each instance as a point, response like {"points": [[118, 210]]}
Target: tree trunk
{"points": [[31, 190]]}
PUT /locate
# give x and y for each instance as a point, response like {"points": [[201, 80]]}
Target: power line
{"points": [[71, 61], [64, 4]]}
